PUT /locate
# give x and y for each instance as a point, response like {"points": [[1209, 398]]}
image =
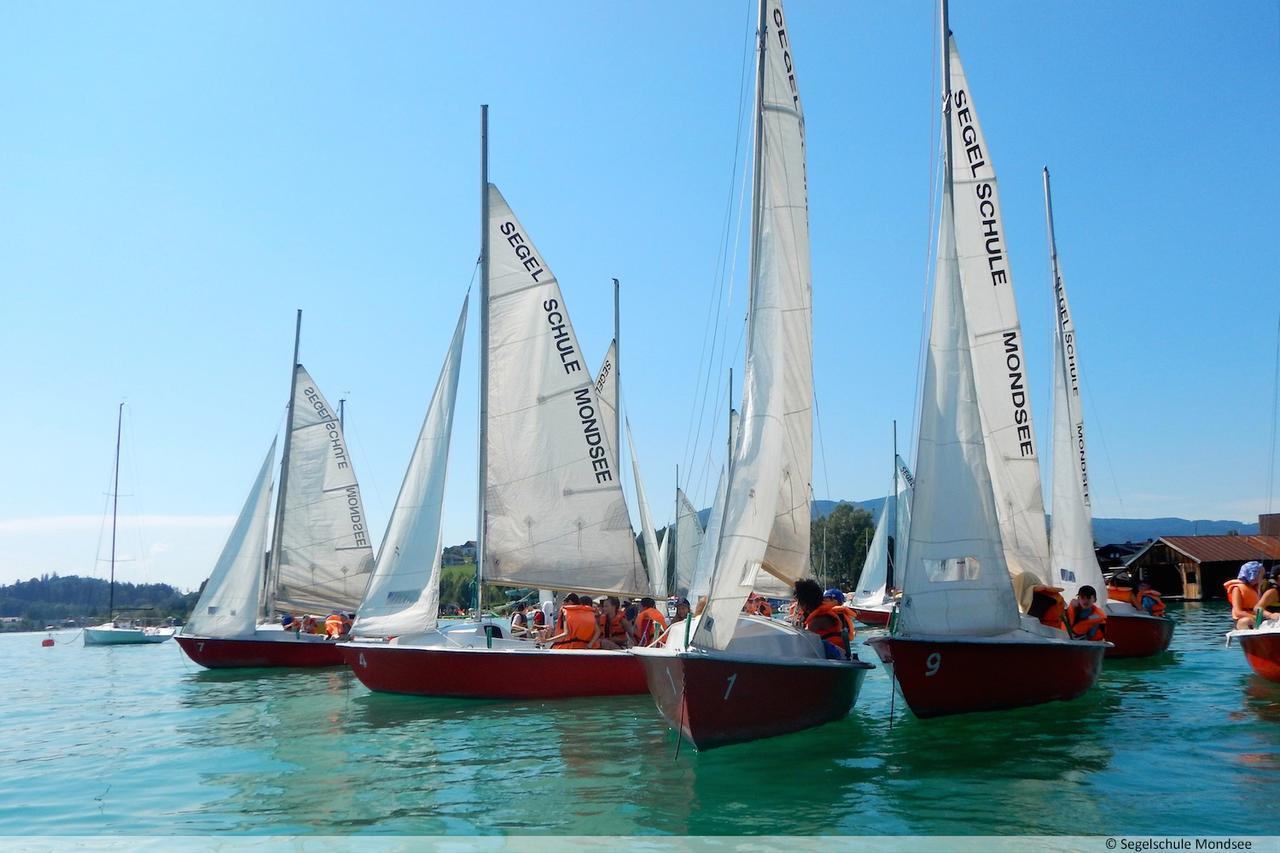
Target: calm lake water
{"points": [[142, 741]]}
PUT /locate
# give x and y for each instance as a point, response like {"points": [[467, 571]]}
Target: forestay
{"points": [[1072, 554], [995, 334], [228, 606], [655, 557], [955, 581], [554, 511], [404, 594], [767, 520], [325, 554]]}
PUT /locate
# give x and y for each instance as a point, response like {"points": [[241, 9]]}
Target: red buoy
{"points": [[47, 642]]}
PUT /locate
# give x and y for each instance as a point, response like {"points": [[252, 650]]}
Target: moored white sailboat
{"points": [[319, 561], [1131, 632], [120, 631], [959, 643], [724, 677], [552, 514]]}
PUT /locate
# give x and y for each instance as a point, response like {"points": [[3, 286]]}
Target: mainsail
{"points": [[999, 363], [228, 605], [1074, 562], [655, 556], [325, 555], [404, 594], [689, 538], [554, 511], [955, 580], [606, 396], [767, 506]]}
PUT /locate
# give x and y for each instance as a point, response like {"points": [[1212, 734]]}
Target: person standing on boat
{"points": [[822, 619], [1084, 619], [1243, 593]]}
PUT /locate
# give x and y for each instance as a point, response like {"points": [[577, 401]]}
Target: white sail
{"points": [[689, 537], [655, 556], [326, 557], [894, 520], [228, 605], [554, 511], [607, 395], [767, 520], [999, 362], [700, 584], [404, 594], [1072, 555], [955, 580]]}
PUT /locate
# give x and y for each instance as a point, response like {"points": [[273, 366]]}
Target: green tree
{"points": [[838, 545]]}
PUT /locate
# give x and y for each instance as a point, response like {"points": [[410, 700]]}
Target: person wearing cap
{"points": [[1084, 619], [682, 610], [835, 598], [1243, 593]]}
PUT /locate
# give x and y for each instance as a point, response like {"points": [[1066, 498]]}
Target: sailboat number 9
{"points": [[932, 664]]}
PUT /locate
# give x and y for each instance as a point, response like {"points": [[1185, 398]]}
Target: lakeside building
{"points": [[1195, 567]]}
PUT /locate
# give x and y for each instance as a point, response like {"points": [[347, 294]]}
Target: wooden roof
{"points": [[1220, 549]]}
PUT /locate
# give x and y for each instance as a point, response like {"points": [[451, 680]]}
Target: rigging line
{"points": [[717, 293], [1275, 412], [1096, 429], [822, 447]]}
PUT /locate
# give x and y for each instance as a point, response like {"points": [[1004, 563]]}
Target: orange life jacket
{"points": [[763, 608], [1086, 625], [1248, 595], [613, 629], [333, 626], [1149, 600], [645, 632], [580, 622], [838, 634], [1120, 593], [1054, 606], [846, 613]]}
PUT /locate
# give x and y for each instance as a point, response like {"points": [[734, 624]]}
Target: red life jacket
{"points": [[837, 634], [581, 625], [1084, 624], [645, 631], [1248, 595], [1149, 600]]}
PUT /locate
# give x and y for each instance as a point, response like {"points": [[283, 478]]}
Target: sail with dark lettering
{"points": [[999, 362], [766, 526], [404, 594], [325, 554], [228, 605], [554, 515], [607, 395]]}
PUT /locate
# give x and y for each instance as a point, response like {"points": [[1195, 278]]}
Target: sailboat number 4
{"points": [[729, 689], [932, 664]]}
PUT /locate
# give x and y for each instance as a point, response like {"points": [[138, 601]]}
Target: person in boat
{"points": [[1048, 606], [1243, 593], [615, 630], [1147, 599], [682, 610], [821, 618], [581, 631], [649, 624], [1085, 620], [520, 621], [1268, 607], [835, 598]]}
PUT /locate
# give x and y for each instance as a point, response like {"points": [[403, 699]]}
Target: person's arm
{"points": [[1237, 604]]}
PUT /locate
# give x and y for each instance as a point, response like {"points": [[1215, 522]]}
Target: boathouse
{"points": [[1196, 567]]}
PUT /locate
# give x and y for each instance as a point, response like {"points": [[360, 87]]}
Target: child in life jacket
{"points": [[1243, 593], [1084, 618]]}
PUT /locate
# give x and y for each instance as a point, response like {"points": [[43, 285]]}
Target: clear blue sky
{"points": [[176, 179]]}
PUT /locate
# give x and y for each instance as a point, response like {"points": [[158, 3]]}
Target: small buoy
{"points": [[47, 642]]}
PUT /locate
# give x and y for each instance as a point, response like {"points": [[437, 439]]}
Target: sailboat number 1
{"points": [[729, 689], [932, 664]]}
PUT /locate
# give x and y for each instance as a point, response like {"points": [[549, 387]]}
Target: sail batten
{"points": [[404, 593]]}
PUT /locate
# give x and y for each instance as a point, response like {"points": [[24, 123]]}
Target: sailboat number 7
{"points": [[932, 664], [729, 689]]}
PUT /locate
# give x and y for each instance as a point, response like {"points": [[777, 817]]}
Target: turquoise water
{"points": [[140, 740]]}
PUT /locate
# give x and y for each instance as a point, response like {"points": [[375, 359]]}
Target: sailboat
{"points": [[1132, 632], [551, 514], [724, 677], [872, 603], [319, 560], [960, 643], [120, 631]]}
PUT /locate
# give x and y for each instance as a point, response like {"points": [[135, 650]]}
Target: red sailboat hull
{"points": [[1262, 651], [716, 700], [942, 676], [1138, 636], [871, 618], [216, 653], [480, 673]]}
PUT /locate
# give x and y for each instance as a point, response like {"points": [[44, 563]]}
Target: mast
{"points": [[892, 549], [482, 482], [757, 161], [617, 372], [1053, 242], [115, 506], [342, 415], [947, 188], [272, 580]]}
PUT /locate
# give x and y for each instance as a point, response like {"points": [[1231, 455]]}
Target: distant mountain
{"points": [[1105, 530]]}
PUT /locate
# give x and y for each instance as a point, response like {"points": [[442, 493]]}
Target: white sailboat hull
{"points": [[108, 634]]}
